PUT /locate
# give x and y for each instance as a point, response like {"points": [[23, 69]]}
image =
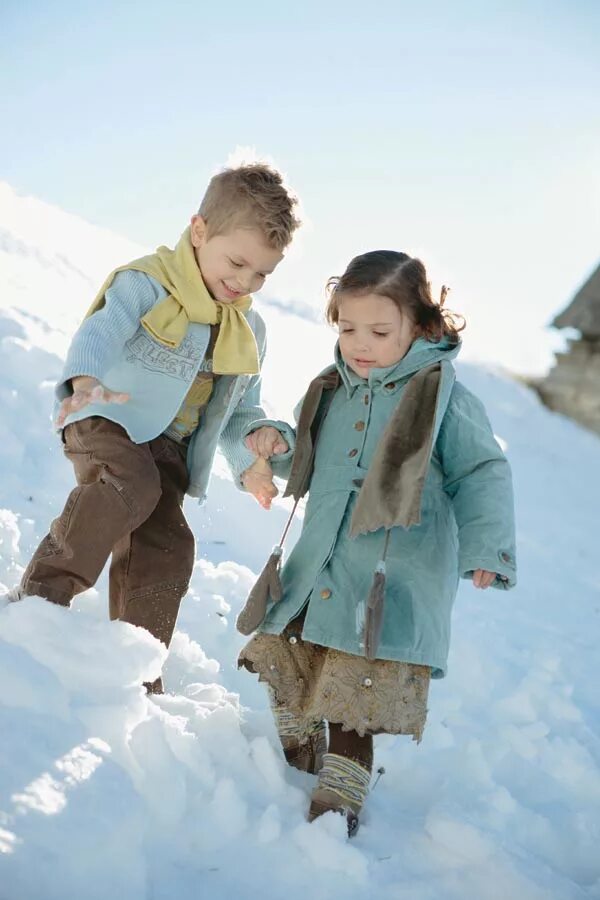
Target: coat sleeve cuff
{"points": [[503, 565]]}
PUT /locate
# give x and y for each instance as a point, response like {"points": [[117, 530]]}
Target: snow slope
{"points": [[105, 793]]}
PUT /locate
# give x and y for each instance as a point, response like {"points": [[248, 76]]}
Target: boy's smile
{"points": [[233, 264]]}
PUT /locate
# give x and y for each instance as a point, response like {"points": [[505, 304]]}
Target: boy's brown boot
{"points": [[343, 787]]}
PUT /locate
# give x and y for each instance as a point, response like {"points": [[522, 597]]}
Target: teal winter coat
{"points": [[467, 519]]}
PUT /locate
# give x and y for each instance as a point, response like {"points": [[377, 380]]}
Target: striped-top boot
{"points": [[343, 787]]}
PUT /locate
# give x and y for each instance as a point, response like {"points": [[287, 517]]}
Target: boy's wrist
{"points": [[83, 382]]}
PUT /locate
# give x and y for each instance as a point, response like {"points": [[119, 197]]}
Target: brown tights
{"points": [[351, 745]]}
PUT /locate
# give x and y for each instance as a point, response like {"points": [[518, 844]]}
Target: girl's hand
{"points": [[266, 442], [258, 481], [483, 579], [86, 390]]}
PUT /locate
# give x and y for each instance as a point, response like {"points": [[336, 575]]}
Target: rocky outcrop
{"points": [[573, 386]]}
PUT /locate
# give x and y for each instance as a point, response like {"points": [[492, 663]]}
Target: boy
{"points": [[165, 367]]}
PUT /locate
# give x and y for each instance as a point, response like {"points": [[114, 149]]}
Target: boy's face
{"points": [[233, 264], [373, 332]]}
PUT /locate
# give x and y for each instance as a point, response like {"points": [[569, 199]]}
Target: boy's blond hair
{"points": [[250, 196]]}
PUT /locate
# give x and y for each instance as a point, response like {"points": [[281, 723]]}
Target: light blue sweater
{"points": [[112, 346]]}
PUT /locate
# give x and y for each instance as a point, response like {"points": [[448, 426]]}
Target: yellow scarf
{"points": [[189, 301]]}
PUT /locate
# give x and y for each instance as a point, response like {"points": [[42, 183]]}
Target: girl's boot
{"points": [[343, 787], [303, 746]]}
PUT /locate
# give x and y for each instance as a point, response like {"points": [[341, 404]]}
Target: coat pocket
{"points": [[404, 541]]}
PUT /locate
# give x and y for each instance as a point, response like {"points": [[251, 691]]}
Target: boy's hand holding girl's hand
{"points": [[258, 478], [86, 390], [266, 442]]}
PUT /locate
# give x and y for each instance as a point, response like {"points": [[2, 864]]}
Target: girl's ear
{"points": [[198, 230]]}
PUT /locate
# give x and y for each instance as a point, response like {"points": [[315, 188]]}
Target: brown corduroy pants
{"points": [[128, 502]]}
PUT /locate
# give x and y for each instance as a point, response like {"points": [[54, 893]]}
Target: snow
{"points": [[105, 792]]}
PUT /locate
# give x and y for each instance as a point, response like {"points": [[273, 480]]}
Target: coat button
{"points": [[366, 399], [353, 453], [360, 426], [358, 482], [390, 386], [367, 682], [505, 557], [325, 594], [293, 639]]}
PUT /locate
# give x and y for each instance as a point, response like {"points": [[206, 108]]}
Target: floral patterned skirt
{"points": [[315, 682]]}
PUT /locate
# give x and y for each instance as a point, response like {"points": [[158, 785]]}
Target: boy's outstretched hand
{"points": [[483, 579], [258, 481], [266, 442], [86, 390]]}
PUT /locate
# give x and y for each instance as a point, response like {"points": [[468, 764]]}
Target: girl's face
{"points": [[373, 332]]}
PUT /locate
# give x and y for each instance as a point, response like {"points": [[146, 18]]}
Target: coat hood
{"points": [[422, 353]]}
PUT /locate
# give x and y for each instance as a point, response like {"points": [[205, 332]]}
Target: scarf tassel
{"points": [[374, 612], [267, 586]]}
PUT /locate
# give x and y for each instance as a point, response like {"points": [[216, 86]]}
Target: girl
{"points": [[408, 491]]}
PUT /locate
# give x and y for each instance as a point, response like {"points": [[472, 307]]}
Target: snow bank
{"points": [[105, 792]]}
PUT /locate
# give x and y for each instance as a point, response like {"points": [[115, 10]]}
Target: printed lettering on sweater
{"points": [[180, 362]]}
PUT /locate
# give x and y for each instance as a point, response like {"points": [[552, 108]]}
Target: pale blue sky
{"points": [[468, 133]]}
